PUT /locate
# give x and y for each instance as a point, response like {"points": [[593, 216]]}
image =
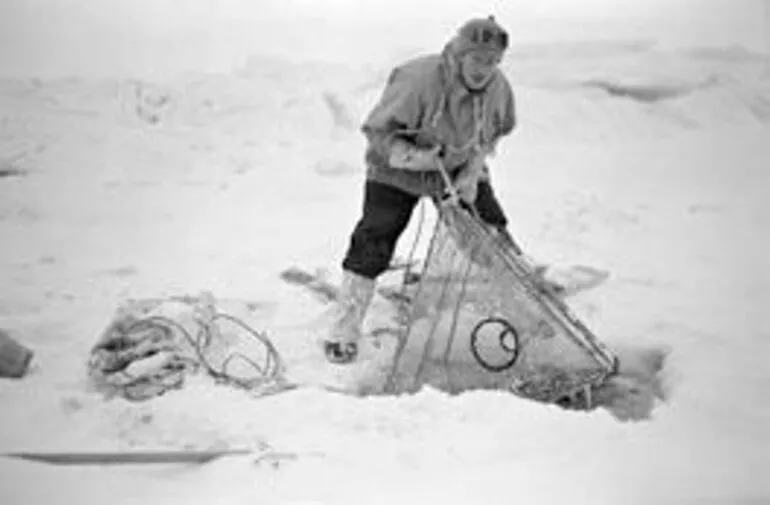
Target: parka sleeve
{"points": [[399, 109]]}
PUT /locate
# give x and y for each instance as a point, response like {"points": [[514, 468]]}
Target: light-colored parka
{"points": [[426, 102]]}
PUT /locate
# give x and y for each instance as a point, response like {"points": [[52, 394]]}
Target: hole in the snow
{"points": [[633, 394]]}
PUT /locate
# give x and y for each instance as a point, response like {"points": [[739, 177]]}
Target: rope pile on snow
{"points": [[151, 346]]}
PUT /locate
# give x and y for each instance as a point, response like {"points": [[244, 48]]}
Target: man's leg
{"points": [[488, 206], [386, 213]]}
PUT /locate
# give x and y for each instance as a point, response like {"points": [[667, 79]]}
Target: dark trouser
{"points": [[386, 213]]}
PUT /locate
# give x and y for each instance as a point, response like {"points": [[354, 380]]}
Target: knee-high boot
{"points": [[356, 293]]}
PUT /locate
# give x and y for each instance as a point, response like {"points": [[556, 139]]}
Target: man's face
{"points": [[477, 68]]}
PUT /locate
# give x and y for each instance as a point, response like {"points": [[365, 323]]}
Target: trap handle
{"points": [[453, 194]]}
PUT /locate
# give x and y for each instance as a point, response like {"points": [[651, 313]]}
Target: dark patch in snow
{"points": [[649, 93], [335, 168], [340, 114], [8, 168], [126, 271], [11, 172], [639, 386], [152, 103]]}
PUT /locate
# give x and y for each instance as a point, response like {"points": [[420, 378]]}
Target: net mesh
{"points": [[479, 319]]}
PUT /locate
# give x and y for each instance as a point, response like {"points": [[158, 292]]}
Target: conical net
{"points": [[479, 318]]}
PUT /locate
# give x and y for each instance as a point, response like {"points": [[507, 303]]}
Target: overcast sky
{"points": [[76, 37]]}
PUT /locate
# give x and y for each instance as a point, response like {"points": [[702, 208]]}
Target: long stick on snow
{"points": [[125, 458]]}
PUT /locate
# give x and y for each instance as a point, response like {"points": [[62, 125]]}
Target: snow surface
{"points": [[218, 181]]}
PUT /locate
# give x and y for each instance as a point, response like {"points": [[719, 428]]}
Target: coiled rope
{"points": [[268, 377]]}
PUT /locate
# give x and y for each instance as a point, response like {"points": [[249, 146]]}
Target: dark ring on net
{"points": [[508, 329]]}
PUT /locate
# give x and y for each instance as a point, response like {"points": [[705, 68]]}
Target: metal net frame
{"points": [[481, 318]]}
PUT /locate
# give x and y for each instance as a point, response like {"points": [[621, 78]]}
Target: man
{"points": [[441, 112]]}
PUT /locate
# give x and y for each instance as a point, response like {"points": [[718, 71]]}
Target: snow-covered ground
{"points": [[218, 181]]}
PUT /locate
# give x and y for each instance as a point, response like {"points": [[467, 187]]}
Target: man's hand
{"points": [[408, 157], [467, 185], [467, 181]]}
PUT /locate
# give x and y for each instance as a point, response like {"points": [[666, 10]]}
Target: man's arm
{"points": [[397, 117]]}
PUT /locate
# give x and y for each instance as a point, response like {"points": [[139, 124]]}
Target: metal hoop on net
{"points": [[507, 331]]}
